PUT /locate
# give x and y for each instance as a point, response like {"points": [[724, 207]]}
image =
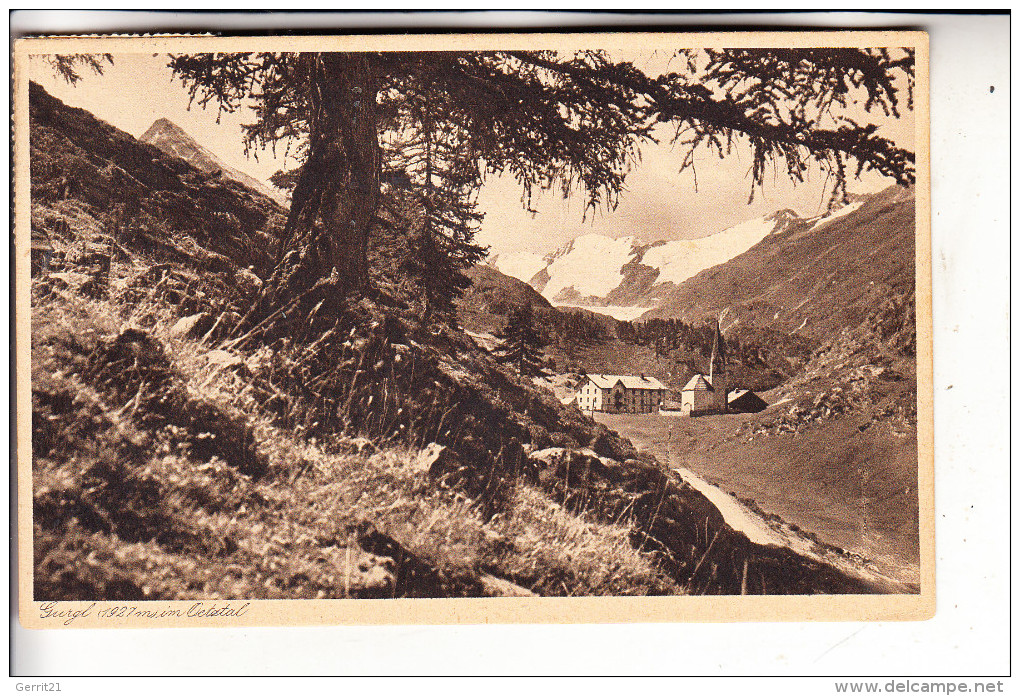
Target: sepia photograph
{"points": [[500, 318]]}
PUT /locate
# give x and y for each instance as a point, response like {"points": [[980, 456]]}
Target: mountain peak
{"points": [[174, 140], [162, 125], [786, 216]]}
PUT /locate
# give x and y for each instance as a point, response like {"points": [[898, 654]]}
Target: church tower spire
{"points": [[718, 379]]}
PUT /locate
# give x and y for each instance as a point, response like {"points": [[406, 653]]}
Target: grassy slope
{"points": [[172, 463], [835, 454], [177, 456], [814, 479], [170, 481]]}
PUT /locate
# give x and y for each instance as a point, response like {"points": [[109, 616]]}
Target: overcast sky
{"points": [[658, 204]]}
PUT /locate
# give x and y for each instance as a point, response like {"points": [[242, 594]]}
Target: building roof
{"points": [[698, 382], [746, 400], [629, 381], [736, 394]]}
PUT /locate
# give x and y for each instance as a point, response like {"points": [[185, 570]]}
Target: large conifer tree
{"points": [[444, 120]]}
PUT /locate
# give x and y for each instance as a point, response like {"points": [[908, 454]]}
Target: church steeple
{"points": [[717, 378]]}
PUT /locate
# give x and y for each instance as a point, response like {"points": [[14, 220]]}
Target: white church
{"points": [[707, 393], [711, 393], [703, 394]]}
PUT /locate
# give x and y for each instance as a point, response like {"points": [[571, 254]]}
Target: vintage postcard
{"points": [[473, 328]]}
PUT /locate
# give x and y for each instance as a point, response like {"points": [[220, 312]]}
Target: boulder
{"points": [[224, 360], [606, 443], [68, 279], [247, 280], [192, 326], [414, 576], [563, 440], [573, 467], [436, 460], [499, 587]]}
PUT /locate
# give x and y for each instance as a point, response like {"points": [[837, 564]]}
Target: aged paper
{"points": [[473, 328]]}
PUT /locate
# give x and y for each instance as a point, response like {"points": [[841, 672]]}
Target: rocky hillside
{"points": [[180, 453], [87, 174], [869, 371], [491, 297], [814, 277], [842, 422], [174, 140]]}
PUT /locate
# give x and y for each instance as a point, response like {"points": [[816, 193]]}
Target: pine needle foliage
{"points": [[438, 123]]}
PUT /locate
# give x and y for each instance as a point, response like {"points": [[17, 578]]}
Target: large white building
{"points": [[621, 394]]}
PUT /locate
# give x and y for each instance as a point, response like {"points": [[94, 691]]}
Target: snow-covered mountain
{"points": [[679, 260], [587, 267], [174, 140], [625, 277]]}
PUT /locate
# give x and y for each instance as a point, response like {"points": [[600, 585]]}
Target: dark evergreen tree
{"points": [[793, 106], [543, 118], [439, 166], [67, 65], [520, 343], [548, 120], [578, 328], [444, 118]]}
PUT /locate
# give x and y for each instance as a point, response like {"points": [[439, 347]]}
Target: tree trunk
{"points": [[326, 238]]}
